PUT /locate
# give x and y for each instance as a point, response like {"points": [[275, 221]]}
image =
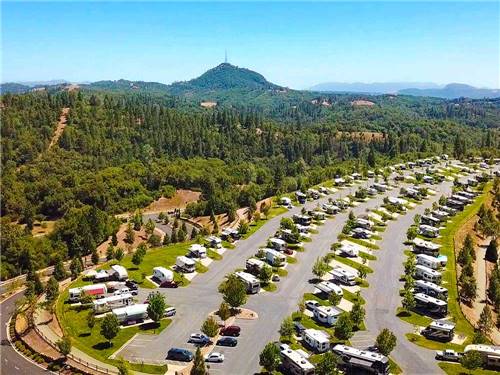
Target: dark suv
{"points": [[178, 354], [230, 331]]}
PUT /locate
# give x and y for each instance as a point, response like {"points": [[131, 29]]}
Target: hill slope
{"points": [[454, 90]]}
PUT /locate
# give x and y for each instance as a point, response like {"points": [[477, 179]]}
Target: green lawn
{"points": [[282, 272], [364, 243], [90, 341], [430, 344], [291, 260], [352, 263], [413, 318], [457, 369], [255, 226], [394, 368], [271, 287], [364, 255], [213, 254], [352, 297]]}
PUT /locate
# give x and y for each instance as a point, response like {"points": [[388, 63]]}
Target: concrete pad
{"points": [[355, 204], [412, 205], [375, 216], [206, 261], [150, 278], [336, 263], [190, 276], [345, 305], [357, 246], [221, 251]]}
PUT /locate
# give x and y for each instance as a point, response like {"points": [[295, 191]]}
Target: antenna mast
{"points": [[225, 56]]}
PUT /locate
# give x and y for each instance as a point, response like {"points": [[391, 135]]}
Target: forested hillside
{"points": [[120, 149]]}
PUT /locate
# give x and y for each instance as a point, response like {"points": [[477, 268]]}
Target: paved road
{"points": [[11, 361], [383, 296]]}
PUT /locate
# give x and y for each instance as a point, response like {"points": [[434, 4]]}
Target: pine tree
{"points": [[199, 367]]}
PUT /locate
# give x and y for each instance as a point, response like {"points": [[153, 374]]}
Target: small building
{"points": [[317, 340]]}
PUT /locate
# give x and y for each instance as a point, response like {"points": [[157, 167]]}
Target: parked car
{"points": [[299, 327], [214, 357], [199, 338], [311, 304], [169, 284], [131, 284], [179, 354], [227, 341], [170, 311], [230, 331], [276, 278], [448, 355]]}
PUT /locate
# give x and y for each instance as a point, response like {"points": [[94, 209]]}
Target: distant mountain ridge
{"points": [[454, 90], [372, 88]]}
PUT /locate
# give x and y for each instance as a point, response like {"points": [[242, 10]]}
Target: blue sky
{"points": [[292, 44]]}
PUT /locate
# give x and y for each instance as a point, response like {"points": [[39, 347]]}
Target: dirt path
{"points": [[60, 127]]}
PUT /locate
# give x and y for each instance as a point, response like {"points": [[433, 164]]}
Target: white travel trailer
{"points": [[131, 313], [344, 276], [428, 231], [430, 220], [380, 187], [316, 339], [440, 330], [441, 215], [339, 181], [361, 233], [430, 304], [184, 264], [328, 287], [490, 353], [421, 246], [327, 315], [295, 363], [370, 173], [197, 251], [301, 197], [251, 282], [317, 215], [163, 275], [411, 193], [93, 290], [357, 360], [428, 179], [427, 274], [396, 200], [277, 244], [349, 249], [112, 302], [254, 265], [429, 261], [285, 201], [274, 258], [431, 289], [302, 219], [313, 193], [118, 272], [363, 223], [214, 242], [356, 176], [331, 209]]}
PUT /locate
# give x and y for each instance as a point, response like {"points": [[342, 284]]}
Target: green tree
{"points": [[119, 254], [411, 233], [76, 267], [110, 252], [166, 239], [52, 289], [485, 323], [114, 239], [64, 346], [129, 234], [210, 327], [224, 311], [492, 251], [265, 275], [320, 268], [95, 257], [181, 235], [243, 227], [287, 328], [150, 227], [59, 271], [362, 272], [472, 360], [343, 327], [137, 257], [91, 319], [199, 367], [468, 290], [408, 302], [270, 357], [385, 342], [110, 326], [327, 365], [334, 298], [156, 306], [123, 367], [234, 291], [173, 237], [357, 313]]}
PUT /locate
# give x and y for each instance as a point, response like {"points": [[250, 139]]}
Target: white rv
{"points": [[380, 187], [428, 231], [214, 242], [328, 287], [316, 339], [119, 272], [425, 247], [363, 223], [431, 304], [441, 330], [349, 249], [93, 290], [327, 315], [427, 274], [277, 244], [285, 201], [431, 289], [490, 353], [362, 361], [131, 313], [429, 261], [331, 209], [197, 251], [163, 275], [254, 266], [430, 220], [295, 363], [251, 282], [339, 181], [344, 276], [275, 258], [184, 264], [108, 303]]}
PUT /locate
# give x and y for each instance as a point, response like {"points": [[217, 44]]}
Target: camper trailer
{"points": [[228, 233], [277, 244], [317, 215], [343, 276], [328, 287], [317, 340], [254, 266], [421, 246], [131, 313], [184, 264], [363, 223], [356, 360], [251, 282], [330, 209], [490, 354], [428, 231], [118, 273], [339, 181], [455, 204], [93, 290], [301, 197], [439, 330], [348, 249], [431, 289], [440, 215], [163, 275], [326, 315], [427, 274], [214, 242], [108, 303], [313, 193], [380, 187], [302, 219], [431, 305], [285, 201], [295, 363], [450, 211], [430, 220], [361, 233], [197, 251], [275, 258], [429, 261]]}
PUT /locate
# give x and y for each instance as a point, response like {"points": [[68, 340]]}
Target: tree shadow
{"points": [[85, 334], [403, 314], [148, 326], [102, 345]]}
